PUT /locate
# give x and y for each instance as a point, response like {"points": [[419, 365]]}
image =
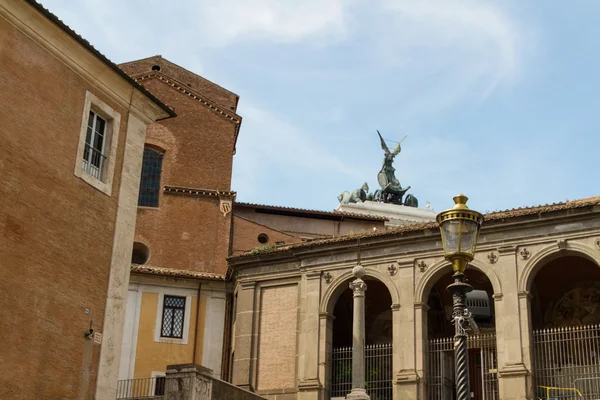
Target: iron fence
{"points": [[566, 362], [378, 371], [144, 388], [483, 368]]}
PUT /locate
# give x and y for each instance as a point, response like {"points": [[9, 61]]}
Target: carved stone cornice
{"points": [[183, 191], [245, 285], [507, 250]]}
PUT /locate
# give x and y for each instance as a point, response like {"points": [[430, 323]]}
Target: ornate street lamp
{"points": [[460, 231]]}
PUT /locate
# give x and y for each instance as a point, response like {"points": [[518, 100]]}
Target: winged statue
{"points": [[391, 190]]}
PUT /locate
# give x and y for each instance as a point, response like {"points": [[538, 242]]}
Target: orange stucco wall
{"points": [[155, 356]]}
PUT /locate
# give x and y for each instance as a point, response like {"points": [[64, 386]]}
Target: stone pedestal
{"points": [[195, 382], [397, 215]]}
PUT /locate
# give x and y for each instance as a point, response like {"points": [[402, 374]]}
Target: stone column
{"points": [[308, 343], [359, 287], [243, 355]]}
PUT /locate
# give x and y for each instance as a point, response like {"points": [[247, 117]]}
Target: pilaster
{"points": [[309, 384], [244, 357], [511, 329]]}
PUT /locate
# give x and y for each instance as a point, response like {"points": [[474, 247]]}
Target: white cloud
{"points": [[269, 146], [450, 49], [225, 21]]}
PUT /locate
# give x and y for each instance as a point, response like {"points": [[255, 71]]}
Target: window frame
{"points": [[111, 139], [165, 308], [161, 153], [178, 292]]}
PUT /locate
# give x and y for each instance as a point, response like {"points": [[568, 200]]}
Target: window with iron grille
{"points": [[173, 317], [93, 152], [150, 180]]}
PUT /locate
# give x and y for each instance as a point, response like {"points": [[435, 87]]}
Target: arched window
{"points": [[150, 181]]}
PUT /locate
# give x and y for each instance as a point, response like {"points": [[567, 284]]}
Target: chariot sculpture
{"points": [[390, 189]]}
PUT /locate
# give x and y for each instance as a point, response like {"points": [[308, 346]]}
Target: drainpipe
{"points": [[197, 321]]}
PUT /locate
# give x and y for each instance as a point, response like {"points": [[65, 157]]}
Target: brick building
{"points": [[188, 224], [72, 136], [178, 295]]}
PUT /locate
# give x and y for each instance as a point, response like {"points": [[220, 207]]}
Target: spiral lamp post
{"points": [[460, 230]]}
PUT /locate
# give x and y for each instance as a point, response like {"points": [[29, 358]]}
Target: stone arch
{"points": [[337, 286], [550, 253], [438, 269]]}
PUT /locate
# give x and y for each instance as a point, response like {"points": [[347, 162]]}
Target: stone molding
{"points": [[536, 260], [439, 268], [335, 287]]}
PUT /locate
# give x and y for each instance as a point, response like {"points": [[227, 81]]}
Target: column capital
{"points": [[421, 306], [359, 287]]}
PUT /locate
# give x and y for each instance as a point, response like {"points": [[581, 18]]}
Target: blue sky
{"points": [[500, 100]]}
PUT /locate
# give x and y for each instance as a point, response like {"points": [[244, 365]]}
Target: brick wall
{"points": [[200, 84], [56, 231], [245, 235], [188, 232]]}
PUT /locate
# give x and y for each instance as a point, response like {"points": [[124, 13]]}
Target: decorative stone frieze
{"points": [[422, 265], [597, 243], [492, 257], [327, 276]]}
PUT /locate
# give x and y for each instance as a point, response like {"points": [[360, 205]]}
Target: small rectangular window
{"points": [[173, 317], [93, 152]]}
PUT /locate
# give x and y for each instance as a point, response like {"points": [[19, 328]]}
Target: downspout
{"points": [[197, 322]]}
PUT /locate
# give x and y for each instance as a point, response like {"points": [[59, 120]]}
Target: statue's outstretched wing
{"points": [[383, 145], [397, 148]]}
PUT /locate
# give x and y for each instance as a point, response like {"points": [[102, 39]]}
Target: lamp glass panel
{"points": [[468, 237], [450, 236]]}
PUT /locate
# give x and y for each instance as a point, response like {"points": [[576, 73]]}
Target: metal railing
{"points": [[378, 371], [93, 161], [483, 377], [566, 362], [144, 388]]}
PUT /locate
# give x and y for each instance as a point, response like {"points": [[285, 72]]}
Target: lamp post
{"points": [[460, 230]]}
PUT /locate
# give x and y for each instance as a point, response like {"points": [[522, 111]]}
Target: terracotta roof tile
{"points": [[146, 269], [315, 212], [491, 216]]}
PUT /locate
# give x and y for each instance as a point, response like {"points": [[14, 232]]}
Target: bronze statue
{"points": [[391, 190]]}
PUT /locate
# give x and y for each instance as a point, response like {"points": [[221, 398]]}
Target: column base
{"points": [[358, 394]]}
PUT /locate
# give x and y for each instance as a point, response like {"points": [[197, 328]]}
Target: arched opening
{"points": [[482, 356], [140, 254], [565, 317], [378, 341]]}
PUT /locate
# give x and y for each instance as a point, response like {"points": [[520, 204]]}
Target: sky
{"points": [[498, 100]]}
